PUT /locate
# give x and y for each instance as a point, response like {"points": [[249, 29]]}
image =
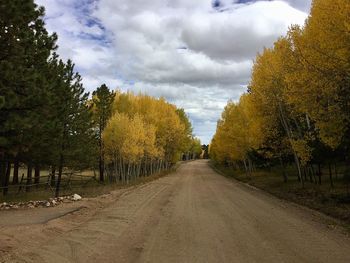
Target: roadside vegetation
{"points": [[289, 133], [83, 185], [50, 125], [333, 201]]}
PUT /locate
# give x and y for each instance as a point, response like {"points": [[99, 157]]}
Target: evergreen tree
{"points": [[74, 141], [2, 101], [102, 99], [25, 46]]}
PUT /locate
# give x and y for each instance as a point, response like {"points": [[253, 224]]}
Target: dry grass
{"points": [[85, 188], [334, 201]]}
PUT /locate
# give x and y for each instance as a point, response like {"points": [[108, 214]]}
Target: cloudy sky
{"points": [[196, 53]]}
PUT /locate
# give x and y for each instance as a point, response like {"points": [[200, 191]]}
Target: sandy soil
{"points": [[193, 215]]}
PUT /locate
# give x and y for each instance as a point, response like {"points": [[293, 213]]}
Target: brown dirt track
{"points": [[192, 215]]}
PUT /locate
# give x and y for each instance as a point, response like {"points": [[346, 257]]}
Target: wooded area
{"points": [[296, 109], [48, 121]]}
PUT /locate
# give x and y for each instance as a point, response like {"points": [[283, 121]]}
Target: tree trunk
{"points": [[151, 167], [29, 177], [250, 166], [304, 171], [101, 161], [15, 171], [313, 174], [37, 175], [319, 174], [101, 169], [7, 178], [116, 170], [245, 167], [290, 137], [53, 176], [128, 173], [139, 170], [310, 174], [121, 177], [330, 175], [284, 174], [60, 169], [2, 171], [335, 170]]}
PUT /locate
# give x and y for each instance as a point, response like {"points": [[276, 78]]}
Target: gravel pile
{"points": [[42, 203]]}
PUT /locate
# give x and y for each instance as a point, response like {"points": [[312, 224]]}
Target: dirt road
{"points": [[193, 215]]}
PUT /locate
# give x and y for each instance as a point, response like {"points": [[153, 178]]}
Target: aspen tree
{"points": [[144, 135], [320, 85]]}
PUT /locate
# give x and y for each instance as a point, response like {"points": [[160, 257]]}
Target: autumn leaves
{"points": [[145, 135], [297, 103]]}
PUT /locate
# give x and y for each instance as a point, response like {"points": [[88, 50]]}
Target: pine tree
{"points": [[73, 142], [102, 99], [25, 47]]}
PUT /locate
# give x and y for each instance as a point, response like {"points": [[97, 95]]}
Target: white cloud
{"points": [[240, 33], [303, 5], [184, 50]]}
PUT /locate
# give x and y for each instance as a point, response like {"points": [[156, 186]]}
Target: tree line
{"points": [[145, 135], [48, 121], [296, 108]]}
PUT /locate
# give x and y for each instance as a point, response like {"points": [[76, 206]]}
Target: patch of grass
{"points": [[334, 202], [25, 197]]}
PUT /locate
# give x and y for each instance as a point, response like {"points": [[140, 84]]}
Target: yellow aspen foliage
{"points": [[270, 111], [233, 138], [303, 150], [145, 134], [133, 147], [298, 100], [319, 86], [115, 134], [150, 148]]}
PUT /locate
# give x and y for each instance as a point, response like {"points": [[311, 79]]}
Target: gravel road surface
{"points": [[192, 215]]}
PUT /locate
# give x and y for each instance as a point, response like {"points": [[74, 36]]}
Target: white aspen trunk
{"points": [[308, 121], [121, 169], [119, 165], [289, 134], [139, 170], [135, 170], [250, 166], [115, 165], [127, 174], [245, 167], [144, 168]]}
